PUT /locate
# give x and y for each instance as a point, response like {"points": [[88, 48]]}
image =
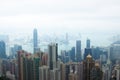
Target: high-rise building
{"points": [[2, 49], [80, 71], [52, 55], [96, 73], [15, 49], [5, 38], [36, 64], [20, 55], [44, 59], [35, 40], [28, 66], [72, 76], [55, 74], [67, 71], [88, 50], [63, 71], [88, 64], [0, 67], [72, 54], [25, 66], [88, 43], [65, 56], [44, 73], [78, 51], [115, 51]]}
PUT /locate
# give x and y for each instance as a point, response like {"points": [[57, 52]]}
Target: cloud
{"points": [[56, 15]]}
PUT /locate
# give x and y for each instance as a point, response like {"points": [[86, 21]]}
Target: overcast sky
{"points": [[95, 17]]}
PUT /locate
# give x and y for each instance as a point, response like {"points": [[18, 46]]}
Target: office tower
{"points": [[78, 51], [88, 43], [96, 53], [67, 58], [54, 74], [9, 68], [28, 73], [37, 62], [44, 73], [100, 53], [15, 49], [63, 71], [106, 75], [67, 71], [72, 76], [35, 41], [2, 49], [64, 56], [72, 54], [80, 71], [96, 73], [88, 50], [52, 55], [88, 64], [118, 72], [115, 51], [44, 59], [5, 38], [28, 66], [20, 56], [0, 66], [24, 66]]}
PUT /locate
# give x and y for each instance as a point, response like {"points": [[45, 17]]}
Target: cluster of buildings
{"points": [[91, 63]]}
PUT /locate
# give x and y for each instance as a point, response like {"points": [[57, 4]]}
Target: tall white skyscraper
{"points": [[35, 41], [44, 73], [52, 55]]}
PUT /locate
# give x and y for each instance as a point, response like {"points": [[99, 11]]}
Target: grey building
{"points": [[78, 51], [52, 55], [2, 49], [35, 41], [115, 51]]}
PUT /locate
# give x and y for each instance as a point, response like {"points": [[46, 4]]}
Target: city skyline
{"points": [[97, 20], [60, 40]]}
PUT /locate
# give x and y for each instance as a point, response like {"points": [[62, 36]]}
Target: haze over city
{"points": [[60, 40], [94, 19]]}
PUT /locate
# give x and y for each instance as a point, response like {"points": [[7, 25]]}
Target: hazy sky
{"points": [[95, 17]]}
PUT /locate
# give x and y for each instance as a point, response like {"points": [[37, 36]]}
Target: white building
{"points": [[44, 73], [52, 55]]}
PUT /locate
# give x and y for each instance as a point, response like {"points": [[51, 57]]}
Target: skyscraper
{"points": [[67, 71], [88, 50], [88, 43], [5, 38], [115, 51], [63, 71], [78, 51], [15, 49], [2, 49], [72, 54], [96, 73], [44, 73], [35, 40], [88, 64], [52, 55], [55, 74]]}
